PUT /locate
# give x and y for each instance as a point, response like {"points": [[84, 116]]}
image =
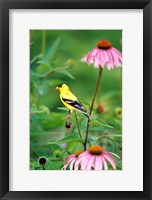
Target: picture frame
{"points": [[5, 6]]}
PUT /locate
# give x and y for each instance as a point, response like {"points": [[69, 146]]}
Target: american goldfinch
{"points": [[70, 100]]}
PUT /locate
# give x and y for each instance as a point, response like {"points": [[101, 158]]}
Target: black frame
{"points": [[5, 5]]}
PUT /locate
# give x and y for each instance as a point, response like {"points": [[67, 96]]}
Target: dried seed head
{"points": [[68, 125]]}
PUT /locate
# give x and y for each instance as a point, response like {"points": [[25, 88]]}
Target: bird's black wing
{"points": [[76, 104]]}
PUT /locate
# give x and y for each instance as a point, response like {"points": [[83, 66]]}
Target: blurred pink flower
{"points": [[95, 158], [104, 54], [71, 160]]}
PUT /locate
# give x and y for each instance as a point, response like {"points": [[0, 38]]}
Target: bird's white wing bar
{"points": [[76, 104]]}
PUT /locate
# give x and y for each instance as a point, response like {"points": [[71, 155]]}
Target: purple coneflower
{"points": [[96, 158], [104, 54], [71, 160]]}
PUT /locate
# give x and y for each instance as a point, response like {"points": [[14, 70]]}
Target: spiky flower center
{"points": [[104, 44], [95, 150], [78, 153]]}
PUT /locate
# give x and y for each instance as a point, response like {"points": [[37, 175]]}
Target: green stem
{"points": [[91, 108], [102, 137], [76, 118], [43, 46], [55, 70]]}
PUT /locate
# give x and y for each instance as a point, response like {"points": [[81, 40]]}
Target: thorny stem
{"points": [[102, 137], [91, 108], [77, 124]]}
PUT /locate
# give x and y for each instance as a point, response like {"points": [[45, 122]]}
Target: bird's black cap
{"points": [[60, 85]]}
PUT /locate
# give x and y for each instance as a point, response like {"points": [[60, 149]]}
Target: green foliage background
{"points": [[54, 59]]}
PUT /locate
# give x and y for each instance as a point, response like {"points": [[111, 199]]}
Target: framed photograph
{"points": [[75, 106]]}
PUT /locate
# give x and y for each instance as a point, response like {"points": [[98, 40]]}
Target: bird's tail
{"points": [[87, 115]]}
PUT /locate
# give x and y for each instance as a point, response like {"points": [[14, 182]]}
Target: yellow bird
{"points": [[70, 100]]}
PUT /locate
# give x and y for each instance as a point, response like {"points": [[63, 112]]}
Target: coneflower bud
{"points": [[71, 62], [57, 153], [118, 112]]}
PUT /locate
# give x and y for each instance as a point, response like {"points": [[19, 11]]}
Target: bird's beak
{"points": [[57, 88]]}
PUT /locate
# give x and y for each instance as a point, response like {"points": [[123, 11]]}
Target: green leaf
{"points": [[119, 165], [38, 133], [73, 147], [66, 139], [110, 94], [52, 50], [40, 89], [35, 58], [92, 139], [100, 123], [42, 69], [34, 74], [68, 74], [84, 124], [114, 135], [50, 121], [35, 122], [55, 165], [43, 62], [118, 122]]}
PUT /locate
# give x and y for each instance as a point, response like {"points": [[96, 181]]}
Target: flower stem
{"points": [[102, 137], [91, 107], [76, 118]]}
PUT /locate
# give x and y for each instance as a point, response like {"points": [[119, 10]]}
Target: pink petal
{"points": [[105, 163], [84, 163], [77, 163], [119, 55], [72, 163], [97, 59], [84, 154], [114, 154], [115, 57], [110, 160], [98, 163], [102, 63], [95, 51], [84, 59], [80, 158], [117, 52], [65, 166], [70, 158], [91, 55], [90, 162], [106, 56], [111, 156], [110, 64]]}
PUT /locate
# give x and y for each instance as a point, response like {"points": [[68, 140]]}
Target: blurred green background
{"points": [[54, 59]]}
